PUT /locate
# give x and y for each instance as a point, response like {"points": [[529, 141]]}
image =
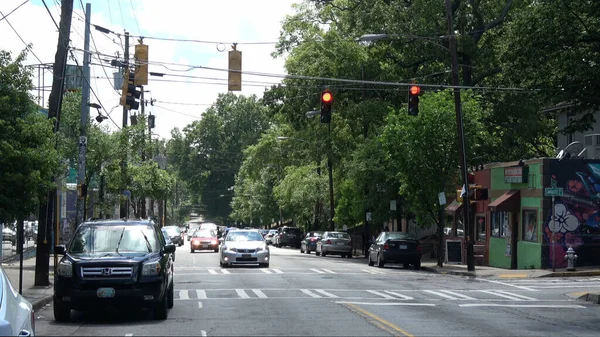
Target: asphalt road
{"points": [[305, 295]]}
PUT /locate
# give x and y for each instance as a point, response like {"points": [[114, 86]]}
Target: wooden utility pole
{"points": [[124, 205], [46, 212]]}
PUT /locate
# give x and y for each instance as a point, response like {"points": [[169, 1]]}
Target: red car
{"points": [[204, 240]]}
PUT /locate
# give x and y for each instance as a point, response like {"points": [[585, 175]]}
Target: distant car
{"points": [[309, 243], [288, 236], [270, 235], [204, 240], [244, 247], [174, 234], [334, 243], [16, 313], [117, 263], [168, 241], [9, 234], [395, 247]]}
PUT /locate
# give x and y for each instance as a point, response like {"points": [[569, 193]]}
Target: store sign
{"points": [[516, 174]]}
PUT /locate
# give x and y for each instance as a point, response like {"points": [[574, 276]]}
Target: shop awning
{"points": [[453, 207], [507, 202]]}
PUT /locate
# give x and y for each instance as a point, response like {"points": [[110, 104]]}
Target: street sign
{"points": [[392, 205], [553, 192], [442, 198]]}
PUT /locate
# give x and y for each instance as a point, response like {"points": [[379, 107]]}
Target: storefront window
{"points": [[530, 225], [480, 227], [500, 224]]}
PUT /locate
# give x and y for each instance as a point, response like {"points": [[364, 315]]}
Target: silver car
{"points": [[244, 247], [16, 313], [334, 243]]}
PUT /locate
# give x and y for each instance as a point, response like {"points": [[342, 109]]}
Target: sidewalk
{"points": [[38, 296]]}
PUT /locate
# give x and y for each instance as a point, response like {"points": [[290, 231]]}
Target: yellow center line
{"points": [[380, 321]]}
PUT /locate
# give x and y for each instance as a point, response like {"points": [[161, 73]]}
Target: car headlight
{"points": [[232, 249], [151, 268], [65, 268]]}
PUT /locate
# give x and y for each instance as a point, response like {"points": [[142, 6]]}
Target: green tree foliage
{"points": [[28, 157]]}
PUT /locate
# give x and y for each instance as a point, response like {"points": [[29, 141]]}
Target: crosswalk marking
{"points": [[201, 294], [372, 271], [459, 296], [401, 296], [440, 294], [329, 271], [225, 271], [266, 271], [242, 293], [328, 294], [183, 294], [510, 296], [317, 271], [277, 271], [259, 293], [386, 296], [310, 293], [212, 271]]}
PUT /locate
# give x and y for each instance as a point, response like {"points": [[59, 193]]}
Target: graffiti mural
{"points": [[576, 219]]}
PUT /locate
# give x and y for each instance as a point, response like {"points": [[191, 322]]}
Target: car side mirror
{"points": [[169, 249], [60, 249]]}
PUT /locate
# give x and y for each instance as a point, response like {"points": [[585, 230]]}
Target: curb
{"points": [[591, 297], [41, 303], [573, 273], [450, 272], [27, 254]]}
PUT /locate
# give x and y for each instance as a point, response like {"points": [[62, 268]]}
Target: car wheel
{"points": [[161, 308], [62, 312], [317, 253], [405, 265], [342, 255], [380, 262], [370, 262], [417, 265], [191, 250], [307, 251], [323, 254], [349, 255], [216, 250], [301, 249], [170, 296]]}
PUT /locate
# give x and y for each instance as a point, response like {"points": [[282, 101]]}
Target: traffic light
{"points": [[130, 92], [413, 100], [141, 64], [151, 121], [326, 101], [479, 193]]}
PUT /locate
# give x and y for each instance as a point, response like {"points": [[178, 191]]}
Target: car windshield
{"points": [[114, 239], [338, 235], [400, 236], [244, 236], [172, 231], [205, 234]]}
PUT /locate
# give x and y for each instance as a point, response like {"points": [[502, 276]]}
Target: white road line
{"points": [[401, 296], [516, 295], [329, 271], [310, 293], [460, 296], [242, 293], [225, 271], [203, 333], [505, 295], [266, 271], [389, 303], [199, 305], [328, 294], [201, 294], [507, 284], [559, 306], [259, 293], [317, 271], [212, 271], [569, 286], [440, 294], [128, 335], [386, 296], [277, 271], [183, 295]]}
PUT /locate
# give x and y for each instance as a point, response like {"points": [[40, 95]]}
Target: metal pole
{"points": [[553, 239], [461, 140], [20, 248], [84, 118], [125, 204], [330, 168]]}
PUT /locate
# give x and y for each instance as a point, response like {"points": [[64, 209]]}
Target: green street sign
{"points": [[553, 191]]}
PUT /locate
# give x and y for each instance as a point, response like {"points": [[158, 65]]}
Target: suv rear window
{"points": [[94, 240], [292, 230]]}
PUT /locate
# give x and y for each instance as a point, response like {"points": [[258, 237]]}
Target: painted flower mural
{"points": [[564, 221]]}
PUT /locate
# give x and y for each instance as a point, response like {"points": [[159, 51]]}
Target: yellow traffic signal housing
{"points": [[129, 92], [141, 64]]}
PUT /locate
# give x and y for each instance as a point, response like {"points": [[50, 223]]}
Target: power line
{"points": [[135, 17], [27, 46], [177, 112], [5, 16]]}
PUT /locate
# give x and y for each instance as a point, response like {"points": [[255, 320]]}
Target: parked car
{"points": [[168, 241], [244, 247], [270, 235], [204, 240], [309, 243], [8, 234], [124, 264], [174, 234], [334, 243], [16, 313], [395, 247], [288, 236]]}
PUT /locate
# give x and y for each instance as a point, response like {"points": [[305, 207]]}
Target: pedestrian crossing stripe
{"points": [[397, 295], [273, 271]]}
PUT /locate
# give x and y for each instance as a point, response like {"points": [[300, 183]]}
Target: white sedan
{"points": [[16, 313]]}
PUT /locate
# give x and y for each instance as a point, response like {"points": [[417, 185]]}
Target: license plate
{"points": [[204, 245], [105, 292], [403, 246], [341, 243], [246, 255]]}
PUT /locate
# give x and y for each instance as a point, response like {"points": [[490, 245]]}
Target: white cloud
{"points": [[226, 21]]}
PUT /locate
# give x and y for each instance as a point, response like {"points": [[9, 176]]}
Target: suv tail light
{"points": [[386, 246], [419, 249], [328, 242], [313, 239]]}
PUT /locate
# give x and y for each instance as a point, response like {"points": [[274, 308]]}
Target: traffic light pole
{"points": [[469, 232], [330, 168], [123, 207]]}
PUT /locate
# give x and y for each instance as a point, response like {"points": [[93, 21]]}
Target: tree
{"points": [[29, 159]]}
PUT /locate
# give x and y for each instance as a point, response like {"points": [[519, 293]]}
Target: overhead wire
{"points": [[19, 6], [27, 46]]}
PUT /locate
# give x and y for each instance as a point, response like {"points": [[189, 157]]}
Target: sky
{"points": [[253, 24]]}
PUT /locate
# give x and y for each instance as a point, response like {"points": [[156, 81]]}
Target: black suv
{"points": [[118, 263], [288, 236]]}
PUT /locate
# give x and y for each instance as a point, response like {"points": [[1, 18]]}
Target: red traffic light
{"points": [[415, 90], [326, 97]]}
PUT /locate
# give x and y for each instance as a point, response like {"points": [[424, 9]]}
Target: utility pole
{"points": [[123, 208], [469, 232], [330, 168], [142, 106], [367, 229], [42, 258], [84, 120]]}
